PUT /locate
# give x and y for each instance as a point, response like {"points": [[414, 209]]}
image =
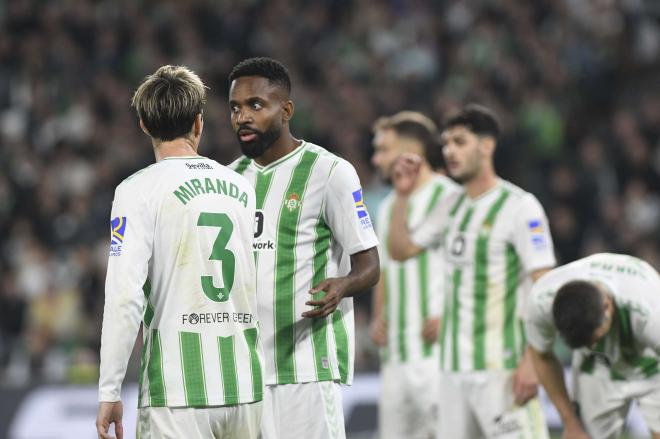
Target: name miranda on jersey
{"points": [[194, 187]]}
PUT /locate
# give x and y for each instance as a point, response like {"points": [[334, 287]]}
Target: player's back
{"points": [[200, 323]]}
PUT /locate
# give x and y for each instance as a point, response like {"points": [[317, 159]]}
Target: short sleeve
{"points": [[345, 211], [531, 237], [539, 327], [131, 243]]}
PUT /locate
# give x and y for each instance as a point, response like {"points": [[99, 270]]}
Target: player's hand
{"points": [[431, 329], [334, 288], [574, 432], [110, 412], [378, 332], [405, 172], [525, 381]]}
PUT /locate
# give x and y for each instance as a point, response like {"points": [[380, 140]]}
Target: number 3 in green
{"points": [[219, 253]]}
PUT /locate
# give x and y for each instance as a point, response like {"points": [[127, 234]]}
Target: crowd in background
{"points": [[574, 83]]}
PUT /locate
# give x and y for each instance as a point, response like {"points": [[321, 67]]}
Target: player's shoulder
{"points": [[519, 198], [515, 192], [385, 205], [444, 182], [136, 179], [326, 159]]}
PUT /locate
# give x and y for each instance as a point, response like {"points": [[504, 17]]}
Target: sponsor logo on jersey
{"points": [[198, 166], [538, 234], [206, 318], [292, 202], [361, 209], [359, 204], [117, 230], [264, 245]]}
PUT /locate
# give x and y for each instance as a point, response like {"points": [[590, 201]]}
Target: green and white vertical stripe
{"points": [[482, 329], [198, 365], [413, 288], [295, 251]]}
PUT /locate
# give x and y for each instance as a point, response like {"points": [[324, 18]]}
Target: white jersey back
{"points": [[492, 244], [183, 229], [632, 347], [310, 218], [413, 288]]}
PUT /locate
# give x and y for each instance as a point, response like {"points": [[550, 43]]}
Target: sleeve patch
{"points": [[361, 209], [117, 230]]}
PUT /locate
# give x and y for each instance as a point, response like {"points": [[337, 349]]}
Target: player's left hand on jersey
{"points": [[334, 288], [525, 381], [109, 413]]}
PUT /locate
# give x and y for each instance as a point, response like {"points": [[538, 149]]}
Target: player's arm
{"points": [[378, 330], [348, 219], [364, 273], [525, 378], [124, 302], [551, 376], [404, 177], [533, 244]]}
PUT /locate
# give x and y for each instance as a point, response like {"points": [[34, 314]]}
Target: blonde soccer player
{"points": [[181, 266]]}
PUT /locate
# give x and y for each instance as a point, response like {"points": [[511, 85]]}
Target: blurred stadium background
{"points": [[574, 82]]}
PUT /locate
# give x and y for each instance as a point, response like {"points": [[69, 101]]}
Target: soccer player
{"points": [[496, 241], [607, 308], [315, 247], [408, 297], [181, 264]]}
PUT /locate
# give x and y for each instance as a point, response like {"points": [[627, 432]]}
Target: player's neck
{"points": [[481, 183], [283, 146], [179, 147]]}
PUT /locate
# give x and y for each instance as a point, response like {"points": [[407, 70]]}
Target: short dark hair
{"points": [[264, 67], [168, 101], [478, 119], [578, 311]]}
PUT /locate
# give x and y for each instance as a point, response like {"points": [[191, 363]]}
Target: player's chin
{"points": [[251, 149]]}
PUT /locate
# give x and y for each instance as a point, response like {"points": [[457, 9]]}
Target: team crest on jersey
{"points": [[292, 202], [117, 230]]}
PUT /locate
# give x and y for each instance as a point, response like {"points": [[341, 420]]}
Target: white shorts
{"points": [[308, 410], [409, 400], [475, 405], [236, 421], [604, 403]]}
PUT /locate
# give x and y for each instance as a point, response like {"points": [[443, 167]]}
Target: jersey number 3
{"points": [[219, 253]]}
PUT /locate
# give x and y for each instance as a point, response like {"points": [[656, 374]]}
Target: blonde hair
{"points": [[404, 117], [169, 100]]}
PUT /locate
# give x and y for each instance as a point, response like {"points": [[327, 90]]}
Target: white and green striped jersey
{"points": [[632, 347], [181, 264], [310, 218], [413, 288], [492, 244]]}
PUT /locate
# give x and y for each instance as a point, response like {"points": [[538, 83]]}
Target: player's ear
{"points": [[287, 110], [144, 129], [488, 145], [198, 125]]}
